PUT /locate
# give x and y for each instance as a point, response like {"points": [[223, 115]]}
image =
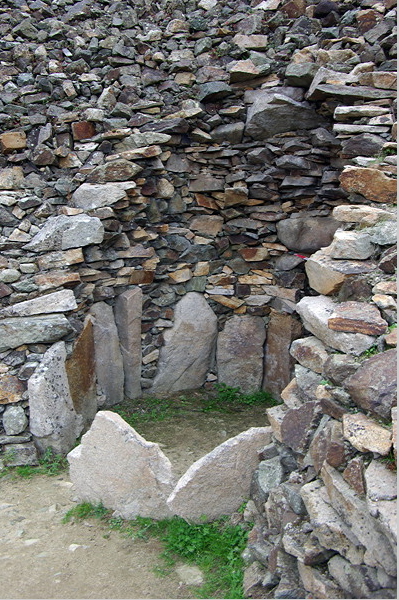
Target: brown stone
{"points": [[370, 183], [373, 385], [11, 389], [357, 317], [205, 201], [299, 425], [279, 364], [232, 196], [56, 279], [56, 260], [80, 370], [328, 444], [254, 254], [207, 224], [229, 301], [83, 130], [294, 8], [5, 290], [365, 434], [354, 475], [367, 19], [141, 277], [310, 352], [12, 140], [327, 275], [181, 275]]}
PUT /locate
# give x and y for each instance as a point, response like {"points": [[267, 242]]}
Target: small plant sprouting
{"points": [[49, 464], [215, 547]]}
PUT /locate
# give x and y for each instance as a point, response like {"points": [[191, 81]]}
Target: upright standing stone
{"points": [[128, 310], [240, 353], [279, 363], [81, 372], [219, 482], [54, 422], [109, 363], [189, 346], [116, 466]]}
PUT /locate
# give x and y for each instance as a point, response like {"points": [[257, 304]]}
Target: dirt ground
{"points": [[40, 557]]}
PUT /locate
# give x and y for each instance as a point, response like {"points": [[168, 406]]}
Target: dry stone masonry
{"points": [[203, 191]]}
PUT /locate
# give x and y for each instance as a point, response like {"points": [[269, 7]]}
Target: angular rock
{"points": [[367, 215], [189, 346], [54, 422], [267, 476], [365, 434], [11, 389], [307, 382], [12, 140], [128, 312], [380, 482], [370, 183], [81, 372], [95, 195], [17, 331], [207, 224], [329, 528], [62, 233], [11, 179], [108, 357], [306, 234], [357, 317], [355, 513], [21, 454], [240, 353], [310, 352], [278, 364], [354, 475], [274, 113], [115, 170], [355, 245], [339, 366], [215, 90], [217, 483], [114, 465], [315, 312], [62, 301], [373, 386], [328, 444], [327, 275], [318, 584], [299, 424], [357, 581]]}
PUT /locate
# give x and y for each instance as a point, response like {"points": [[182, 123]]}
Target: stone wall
{"points": [[201, 192]]}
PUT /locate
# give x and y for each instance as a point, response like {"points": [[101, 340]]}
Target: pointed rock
{"points": [[217, 483], [116, 466], [128, 311]]}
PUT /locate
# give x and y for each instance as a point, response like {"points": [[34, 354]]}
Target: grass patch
{"points": [[49, 464], [214, 547], [222, 398]]}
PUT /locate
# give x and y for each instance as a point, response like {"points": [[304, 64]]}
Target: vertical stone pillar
{"points": [[283, 329], [128, 311], [109, 363]]}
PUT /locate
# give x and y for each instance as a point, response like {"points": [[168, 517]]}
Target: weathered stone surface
{"points": [[14, 420], [81, 373], [12, 140], [315, 312], [62, 301], [95, 195], [22, 454], [354, 475], [11, 179], [62, 233], [355, 513], [54, 422], [380, 482], [339, 366], [299, 424], [310, 352], [108, 357], [267, 476], [370, 183], [278, 364], [11, 389], [306, 234], [327, 275], [367, 215], [207, 224], [277, 113], [328, 526], [373, 386], [307, 382], [115, 170], [189, 346], [275, 417], [317, 583], [240, 352], [328, 444], [357, 317], [17, 331], [365, 435], [357, 581], [355, 245], [128, 312], [217, 483], [116, 466]]}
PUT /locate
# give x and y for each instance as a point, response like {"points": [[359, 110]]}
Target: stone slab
{"points": [[365, 434], [118, 467], [62, 301], [16, 331], [240, 352], [315, 312], [128, 311], [219, 482], [54, 422], [63, 232]]}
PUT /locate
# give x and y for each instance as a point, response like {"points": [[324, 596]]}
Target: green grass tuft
{"points": [[49, 464]]}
